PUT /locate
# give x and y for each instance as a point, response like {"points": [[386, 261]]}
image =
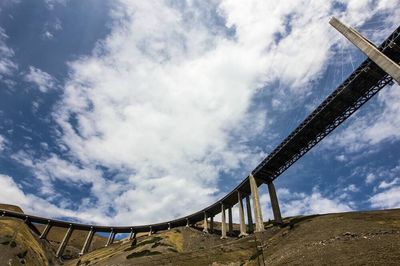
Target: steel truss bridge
{"points": [[367, 80]]}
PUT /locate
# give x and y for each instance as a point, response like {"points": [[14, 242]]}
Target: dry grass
{"points": [[18, 245]]}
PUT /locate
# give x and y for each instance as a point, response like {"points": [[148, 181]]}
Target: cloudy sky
{"points": [[132, 112]]}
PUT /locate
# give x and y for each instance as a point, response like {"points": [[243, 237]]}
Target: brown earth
{"points": [[19, 245], [355, 238]]}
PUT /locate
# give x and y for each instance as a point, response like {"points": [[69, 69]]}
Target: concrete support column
{"points": [[110, 238], [362, 43], [256, 204], [274, 203], [230, 222], [132, 235], [212, 224], [223, 222], [249, 215], [205, 224], [88, 241], [64, 242], [241, 216], [46, 230]]}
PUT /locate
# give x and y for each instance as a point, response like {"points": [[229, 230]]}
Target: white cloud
{"points": [[370, 178], [166, 102], [379, 125], [50, 28], [52, 3], [387, 199], [2, 143], [44, 81], [352, 188], [384, 184], [316, 203], [7, 65], [300, 203], [11, 193], [341, 158]]}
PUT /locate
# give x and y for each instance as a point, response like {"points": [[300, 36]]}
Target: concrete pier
{"points": [[256, 204], [249, 215], [366, 46], [46, 231], [88, 241], [212, 224], [230, 222], [64, 242], [132, 234], [274, 203], [241, 216], [205, 223], [223, 222], [110, 238]]}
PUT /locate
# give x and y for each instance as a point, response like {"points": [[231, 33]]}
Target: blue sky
{"points": [[131, 112]]}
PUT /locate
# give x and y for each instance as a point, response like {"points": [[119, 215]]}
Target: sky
{"points": [[133, 112]]}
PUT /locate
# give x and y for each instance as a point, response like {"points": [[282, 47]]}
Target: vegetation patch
{"points": [[142, 254], [157, 244], [255, 255], [149, 241]]}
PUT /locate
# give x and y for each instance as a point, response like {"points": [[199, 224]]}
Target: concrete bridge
{"points": [[378, 70]]}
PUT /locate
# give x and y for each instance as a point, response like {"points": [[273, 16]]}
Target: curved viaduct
{"points": [[369, 78]]}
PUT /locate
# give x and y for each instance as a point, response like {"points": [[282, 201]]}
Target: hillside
{"points": [[345, 238], [20, 246]]}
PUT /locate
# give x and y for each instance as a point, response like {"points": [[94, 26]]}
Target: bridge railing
{"points": [[356, 90]]}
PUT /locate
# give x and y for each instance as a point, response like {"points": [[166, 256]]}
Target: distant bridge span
{"points": [[357, 89]]}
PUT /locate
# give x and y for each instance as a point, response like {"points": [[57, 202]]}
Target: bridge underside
{"points": [[357, 89]]}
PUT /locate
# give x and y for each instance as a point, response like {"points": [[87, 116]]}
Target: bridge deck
{"points": [[356, 90]]}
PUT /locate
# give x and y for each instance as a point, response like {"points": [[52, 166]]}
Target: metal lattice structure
{"points": [[356, 90]]}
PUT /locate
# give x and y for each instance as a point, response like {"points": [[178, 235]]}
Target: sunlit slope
{"points": [[20, 246], [356, 238]]}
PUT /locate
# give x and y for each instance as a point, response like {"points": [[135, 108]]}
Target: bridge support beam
{"points": [[362, 43], [46, 231], [64, 242], [274, 203], [223, 222], [187, 222], [256, 204], [88, 241], [212, 224], [249, 215], [230, 222], [132, 235], [205, 224], [241, 216], [111, 238]]}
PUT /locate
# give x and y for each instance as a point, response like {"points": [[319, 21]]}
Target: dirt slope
{"points": [[20, 246], [357, 238]]}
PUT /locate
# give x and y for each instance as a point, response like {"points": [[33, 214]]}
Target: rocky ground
{"points": [[356, 238]]}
